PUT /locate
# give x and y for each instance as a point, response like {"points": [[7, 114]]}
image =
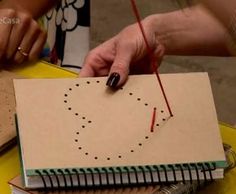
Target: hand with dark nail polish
{"points": [[122, 55], [113, 80]]}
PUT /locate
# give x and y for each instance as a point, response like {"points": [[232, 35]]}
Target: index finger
{"points": [[87, 71]]}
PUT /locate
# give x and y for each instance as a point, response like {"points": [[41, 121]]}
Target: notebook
{"points": [[79, 133], [178, 188], [7, 111]]}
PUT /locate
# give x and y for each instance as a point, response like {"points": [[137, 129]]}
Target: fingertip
{"points": [[113, 80], [119, 72], [86, 71], [116, 79]]}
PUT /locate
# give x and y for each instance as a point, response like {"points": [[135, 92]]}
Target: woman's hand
{"points": [[123, 54], [192, 31], [21, 37]]}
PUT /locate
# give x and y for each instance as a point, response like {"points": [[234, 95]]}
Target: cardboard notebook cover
{"points": [[80, 123], [7, 110]]}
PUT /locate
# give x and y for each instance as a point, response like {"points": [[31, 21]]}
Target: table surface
{"points": [[9, 160]]}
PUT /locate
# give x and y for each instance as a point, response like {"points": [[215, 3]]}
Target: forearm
{"points": [[223, 10], [192, 31], [35, 8], [226, 13]]}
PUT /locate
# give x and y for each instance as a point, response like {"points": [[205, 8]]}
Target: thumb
{"points": [[119, 70]]}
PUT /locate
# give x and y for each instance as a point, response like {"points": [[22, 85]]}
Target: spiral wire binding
{"points": [[158, 174], [107, 176], [173, 170], [192, 186], [197, 173], [92, 175], [113, 175], [128, 174], [135, 173], [49, 177], [165, 171], [150, 172], [77, 176], [64, 177], [121, 177], [209, 169], [182, 172], [42, 178], [57, 179], [99, 175], [204, 171], [70, 176], [86, 177], [144, 175]]}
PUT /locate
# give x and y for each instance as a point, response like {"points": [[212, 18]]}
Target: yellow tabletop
{"points": [[41, 69], [9, 168], [9, 161]]}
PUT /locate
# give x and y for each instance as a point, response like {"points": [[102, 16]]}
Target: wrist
{"points": [[191, 31], [168, 28]]}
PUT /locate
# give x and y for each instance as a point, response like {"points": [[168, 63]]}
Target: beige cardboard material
{"points": [[68, 123]]}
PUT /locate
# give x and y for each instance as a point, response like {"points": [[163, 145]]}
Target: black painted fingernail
{"points": [[113, 80]]}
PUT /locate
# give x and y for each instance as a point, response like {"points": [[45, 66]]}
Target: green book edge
{"points": [[20, 151], [124, 169]]}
